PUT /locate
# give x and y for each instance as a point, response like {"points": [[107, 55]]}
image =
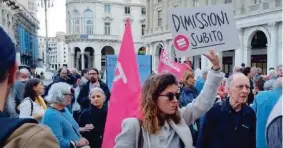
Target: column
{"points": [[203, 62], [239, 52], [279, 53], [247, 55], [271, 49], [97, 59], [165, 9], [151, 15], [77, 60], [220, 55], [83, 61]]}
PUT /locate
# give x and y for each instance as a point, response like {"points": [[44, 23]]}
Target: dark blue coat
{"points": [[224, 128], [96, 117], [187, 95]]}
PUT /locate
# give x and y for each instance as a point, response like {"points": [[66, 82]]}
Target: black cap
{"points": [[7, 51]]}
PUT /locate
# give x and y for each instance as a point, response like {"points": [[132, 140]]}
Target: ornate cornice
{"points": [[107, 18]]}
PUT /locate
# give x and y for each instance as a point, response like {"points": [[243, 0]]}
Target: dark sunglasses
{"points": [[171, 96]]}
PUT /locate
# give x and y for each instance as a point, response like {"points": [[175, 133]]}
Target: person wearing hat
{"points": [[17, 132]]}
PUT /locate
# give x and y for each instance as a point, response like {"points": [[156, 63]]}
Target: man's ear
{"points": [[12, 74]]}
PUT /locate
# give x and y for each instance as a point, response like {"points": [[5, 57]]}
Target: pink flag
{"points": [[168, 65], [124, 101]]}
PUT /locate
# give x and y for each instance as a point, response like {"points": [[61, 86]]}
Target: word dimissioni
{"points": [[202, 21]]}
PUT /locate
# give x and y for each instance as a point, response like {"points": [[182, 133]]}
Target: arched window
{"points": [[77, 22], [88, 22], [89, 27]]}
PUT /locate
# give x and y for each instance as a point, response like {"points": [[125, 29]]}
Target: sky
{"points": [[56, 18]]}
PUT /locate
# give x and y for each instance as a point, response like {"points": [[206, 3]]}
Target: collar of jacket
{"points": [[228, 108]]}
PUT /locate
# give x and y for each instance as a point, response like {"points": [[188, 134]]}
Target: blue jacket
{"points": [[63, 126], [263, 104], [199, 84], [224, 128], [187, 95]]}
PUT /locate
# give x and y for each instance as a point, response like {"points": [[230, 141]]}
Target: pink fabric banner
{"points": [[169, 65], [125, 96]]}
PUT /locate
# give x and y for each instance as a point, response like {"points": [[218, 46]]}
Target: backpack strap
{"points": [[31, 107], [141, 140], [9, 125]]}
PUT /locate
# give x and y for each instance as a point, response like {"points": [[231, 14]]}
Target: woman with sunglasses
{"points": [[94, 118], [164, 125]]}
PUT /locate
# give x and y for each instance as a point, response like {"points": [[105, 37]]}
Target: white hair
{"points": [[56, 93], [97, 89], [278, 83], [236, 69], [24, 70]]}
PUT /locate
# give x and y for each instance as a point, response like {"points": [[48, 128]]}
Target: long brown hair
{"points": [[152, 87]]}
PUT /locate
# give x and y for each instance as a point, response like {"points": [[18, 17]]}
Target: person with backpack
{"points": [[33, 105], [15, 132]]}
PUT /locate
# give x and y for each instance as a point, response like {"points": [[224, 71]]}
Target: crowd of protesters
{"points": [[210, 111]]}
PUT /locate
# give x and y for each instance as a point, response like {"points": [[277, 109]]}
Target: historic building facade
{"points": [[95, 29], [57, 48], [22, 27], [259, 25]]}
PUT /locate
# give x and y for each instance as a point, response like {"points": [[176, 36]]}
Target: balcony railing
{"points": [[100, 37]]}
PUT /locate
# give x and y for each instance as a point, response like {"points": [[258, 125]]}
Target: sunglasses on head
{"points": [[170, 96]]}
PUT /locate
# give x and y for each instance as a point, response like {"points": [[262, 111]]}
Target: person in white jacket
{"points": [[164, 125]]}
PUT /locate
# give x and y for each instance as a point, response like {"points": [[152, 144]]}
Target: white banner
{"points": [[196, 30]]}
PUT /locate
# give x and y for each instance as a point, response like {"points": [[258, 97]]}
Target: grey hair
{"points": [[273, 74], [236, 69], [230, 79], [279, 66], [278, 83], [97, 89], [24, 70], [268, 85], [56, 93]]}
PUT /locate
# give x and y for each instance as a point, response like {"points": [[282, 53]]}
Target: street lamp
{"points": [[46, 4]]}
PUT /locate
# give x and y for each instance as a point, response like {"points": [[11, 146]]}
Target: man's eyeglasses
{"points": [[242, 86], [92, 73], [170, 96]]}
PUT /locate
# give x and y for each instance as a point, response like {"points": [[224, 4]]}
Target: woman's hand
{"points": [[82, 142], [87, 128], [214, 59]]}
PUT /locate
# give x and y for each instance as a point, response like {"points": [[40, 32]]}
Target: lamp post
{"points": [[46, 4]]}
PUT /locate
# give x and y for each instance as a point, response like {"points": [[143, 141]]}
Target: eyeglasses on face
{"points": [[68, 94], [242, 86], [170, 96], [96, 96]]}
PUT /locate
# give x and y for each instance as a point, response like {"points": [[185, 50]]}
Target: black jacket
{"points": [[222, 127], [96, 117], [83, 99]]}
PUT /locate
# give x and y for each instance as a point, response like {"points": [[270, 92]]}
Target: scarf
{"points": [[40, 100]]}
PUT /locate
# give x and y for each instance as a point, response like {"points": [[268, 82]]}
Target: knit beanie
{"points": [[7, 51]]}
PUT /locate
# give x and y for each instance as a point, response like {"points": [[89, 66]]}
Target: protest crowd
{"points": [[201, 108]]}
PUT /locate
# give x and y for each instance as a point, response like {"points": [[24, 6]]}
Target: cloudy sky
{"points": [[56, 18]]}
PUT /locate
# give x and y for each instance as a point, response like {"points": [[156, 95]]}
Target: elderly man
{"points": [[19, 86], [263, 104], [232, 123], [17, 132]]}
